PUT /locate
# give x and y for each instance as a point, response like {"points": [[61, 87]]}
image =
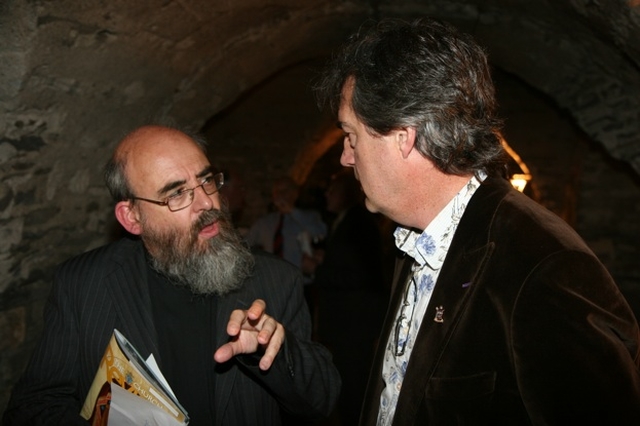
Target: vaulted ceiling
{"points": [[78, 72]]}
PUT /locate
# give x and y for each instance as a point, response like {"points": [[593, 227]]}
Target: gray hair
{"points": [[426, 75]]}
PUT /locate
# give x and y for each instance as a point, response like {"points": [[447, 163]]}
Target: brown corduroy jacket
{"points": [[534, 330]]}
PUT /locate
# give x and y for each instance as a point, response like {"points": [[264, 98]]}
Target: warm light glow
{"points": [[518, 180]]}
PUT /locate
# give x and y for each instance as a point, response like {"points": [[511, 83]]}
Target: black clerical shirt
{"points": [[185, 324]]}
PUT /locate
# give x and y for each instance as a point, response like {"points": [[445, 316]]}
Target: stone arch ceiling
{"points": [[79, 72]]}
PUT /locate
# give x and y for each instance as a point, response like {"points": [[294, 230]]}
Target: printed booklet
{"points": [[128, 390]]}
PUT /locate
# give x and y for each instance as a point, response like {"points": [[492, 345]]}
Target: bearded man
{"points": [[185, 289]]}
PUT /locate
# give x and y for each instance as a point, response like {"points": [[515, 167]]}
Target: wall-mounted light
{"points": [[518, 180]]}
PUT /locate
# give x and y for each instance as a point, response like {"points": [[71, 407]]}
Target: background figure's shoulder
{"points": [[306, 213], [310, 220]]}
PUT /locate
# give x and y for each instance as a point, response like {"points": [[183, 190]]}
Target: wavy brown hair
{"points": [[427, 75]]}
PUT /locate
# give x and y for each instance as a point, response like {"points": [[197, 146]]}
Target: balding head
{"points": [[142, 143], [194, 244]]}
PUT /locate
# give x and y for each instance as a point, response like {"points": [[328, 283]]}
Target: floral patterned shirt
{"points": [[429, 250]]}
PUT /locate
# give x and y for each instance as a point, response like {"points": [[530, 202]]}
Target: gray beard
{"points": [[215, 269]]}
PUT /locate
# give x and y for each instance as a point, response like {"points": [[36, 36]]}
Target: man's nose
{"points": [[347, 158], [203, 201]]}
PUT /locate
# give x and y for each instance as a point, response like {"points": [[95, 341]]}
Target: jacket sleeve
{"points": [[575, 345], [303, 377]]}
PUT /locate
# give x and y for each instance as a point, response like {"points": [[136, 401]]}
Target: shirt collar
{"points": [[431, 245]]}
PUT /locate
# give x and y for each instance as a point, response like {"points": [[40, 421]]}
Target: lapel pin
{"points": [[439, 314]]}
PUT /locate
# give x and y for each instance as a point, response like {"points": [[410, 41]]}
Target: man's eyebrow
{"points": [[170, 186], [175, 184], [208, 170]]}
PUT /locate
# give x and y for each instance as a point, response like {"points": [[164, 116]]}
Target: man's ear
{"points": [[128, 217], [406, 140]]}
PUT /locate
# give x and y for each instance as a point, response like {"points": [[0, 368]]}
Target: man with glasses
{"points": [[229, 329], [500, 314]]}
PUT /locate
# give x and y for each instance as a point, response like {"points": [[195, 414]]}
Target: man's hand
{"points": [[250, 330]]}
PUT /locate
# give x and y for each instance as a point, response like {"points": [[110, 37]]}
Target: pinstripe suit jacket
{"points": [[107, 288]]}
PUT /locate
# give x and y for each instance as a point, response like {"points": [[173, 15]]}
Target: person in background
{"points": [[500, 314], [288, 231], [233, 191], [350, 297], [229, 329]]}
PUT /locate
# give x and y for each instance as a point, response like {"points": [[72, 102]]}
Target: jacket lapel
{"points": [[460, 277], [448, 302], [129, 289]]}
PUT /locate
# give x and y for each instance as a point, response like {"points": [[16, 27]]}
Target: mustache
{"points": [[210, 216]]}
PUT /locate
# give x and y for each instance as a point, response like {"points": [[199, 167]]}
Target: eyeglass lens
{"points": [[185, 198]]}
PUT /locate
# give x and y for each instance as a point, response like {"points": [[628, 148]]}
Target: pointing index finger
{"points": [[257, 309]]}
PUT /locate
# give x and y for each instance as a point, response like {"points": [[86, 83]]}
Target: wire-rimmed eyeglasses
{"points": [[403, 323], [184, 198]]}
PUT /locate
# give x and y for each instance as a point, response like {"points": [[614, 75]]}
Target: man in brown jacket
{"points": [[500, 314]]}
